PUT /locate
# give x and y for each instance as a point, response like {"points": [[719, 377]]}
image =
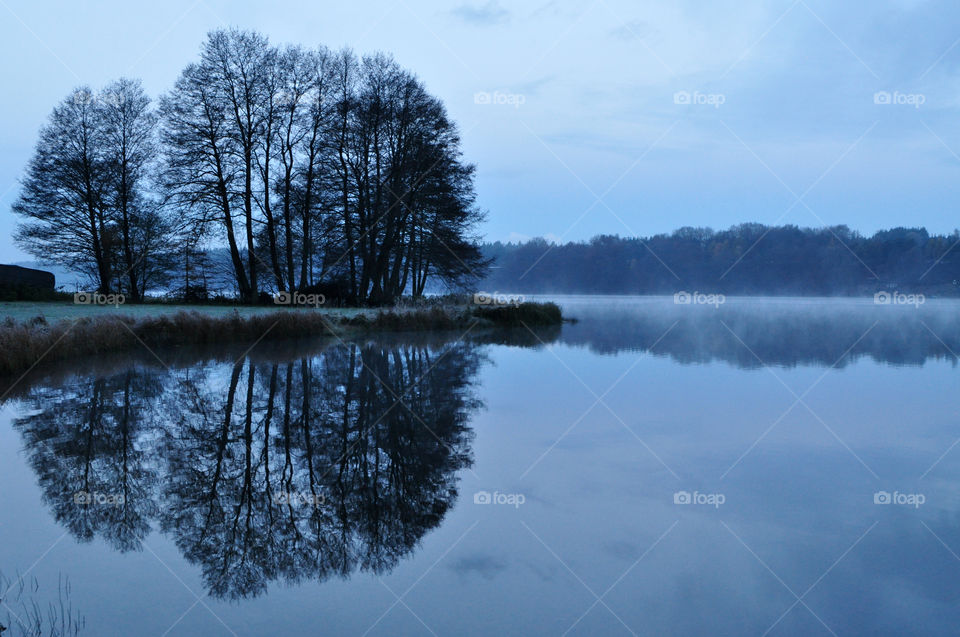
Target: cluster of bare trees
{"points": [[316, 169]]}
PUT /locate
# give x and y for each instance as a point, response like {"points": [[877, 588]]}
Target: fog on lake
{"points": [[781, 465]]}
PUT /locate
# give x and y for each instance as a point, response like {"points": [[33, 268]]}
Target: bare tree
{"points": [[200, 173], [63, 200], [218, 131], [86, 197], [129, 148], [240, 65]]}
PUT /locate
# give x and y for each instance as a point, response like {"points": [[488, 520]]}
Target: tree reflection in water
{"points": [[262, 471], [305, 467]]}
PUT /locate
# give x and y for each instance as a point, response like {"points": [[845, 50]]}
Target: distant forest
{"points": [[746, 259]]}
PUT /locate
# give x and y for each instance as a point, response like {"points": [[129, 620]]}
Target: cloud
{"points": [[482, 15], [533, 86]]}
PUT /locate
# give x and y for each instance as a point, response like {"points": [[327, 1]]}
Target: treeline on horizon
{"points": [[746, 259], [317, 170]]}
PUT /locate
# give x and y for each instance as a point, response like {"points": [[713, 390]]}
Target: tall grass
{"points": [[26, 344], [524, 314], [30, 619]]}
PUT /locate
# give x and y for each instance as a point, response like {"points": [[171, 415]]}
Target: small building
{"points": [[14, 276]]}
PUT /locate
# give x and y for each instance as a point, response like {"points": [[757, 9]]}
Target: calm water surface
{"points": [[780, 467]]}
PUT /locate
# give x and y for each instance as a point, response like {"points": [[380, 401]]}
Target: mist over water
{"points": [[698, 467], [755, 331]]}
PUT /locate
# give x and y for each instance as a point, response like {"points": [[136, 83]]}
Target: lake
{"points": [[757, 466]]}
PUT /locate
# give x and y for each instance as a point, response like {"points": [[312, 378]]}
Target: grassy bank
{"points": [[26, 343]]}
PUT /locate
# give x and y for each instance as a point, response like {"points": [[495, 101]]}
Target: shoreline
{"points": [[31, 343]]}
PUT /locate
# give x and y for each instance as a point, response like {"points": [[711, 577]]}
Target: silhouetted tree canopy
{"points": [[317, 170]]}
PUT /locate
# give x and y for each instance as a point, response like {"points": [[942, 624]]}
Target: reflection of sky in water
{"points": [[799, 517]]}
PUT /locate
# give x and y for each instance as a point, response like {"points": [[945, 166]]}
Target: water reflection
{"points": [[261, 471], [749, 333], [298, 465]]}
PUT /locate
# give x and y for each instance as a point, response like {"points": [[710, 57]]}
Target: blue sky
{"points": [[588, 117]]}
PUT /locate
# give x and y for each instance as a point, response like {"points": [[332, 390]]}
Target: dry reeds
{"points": [[25, 344]]}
